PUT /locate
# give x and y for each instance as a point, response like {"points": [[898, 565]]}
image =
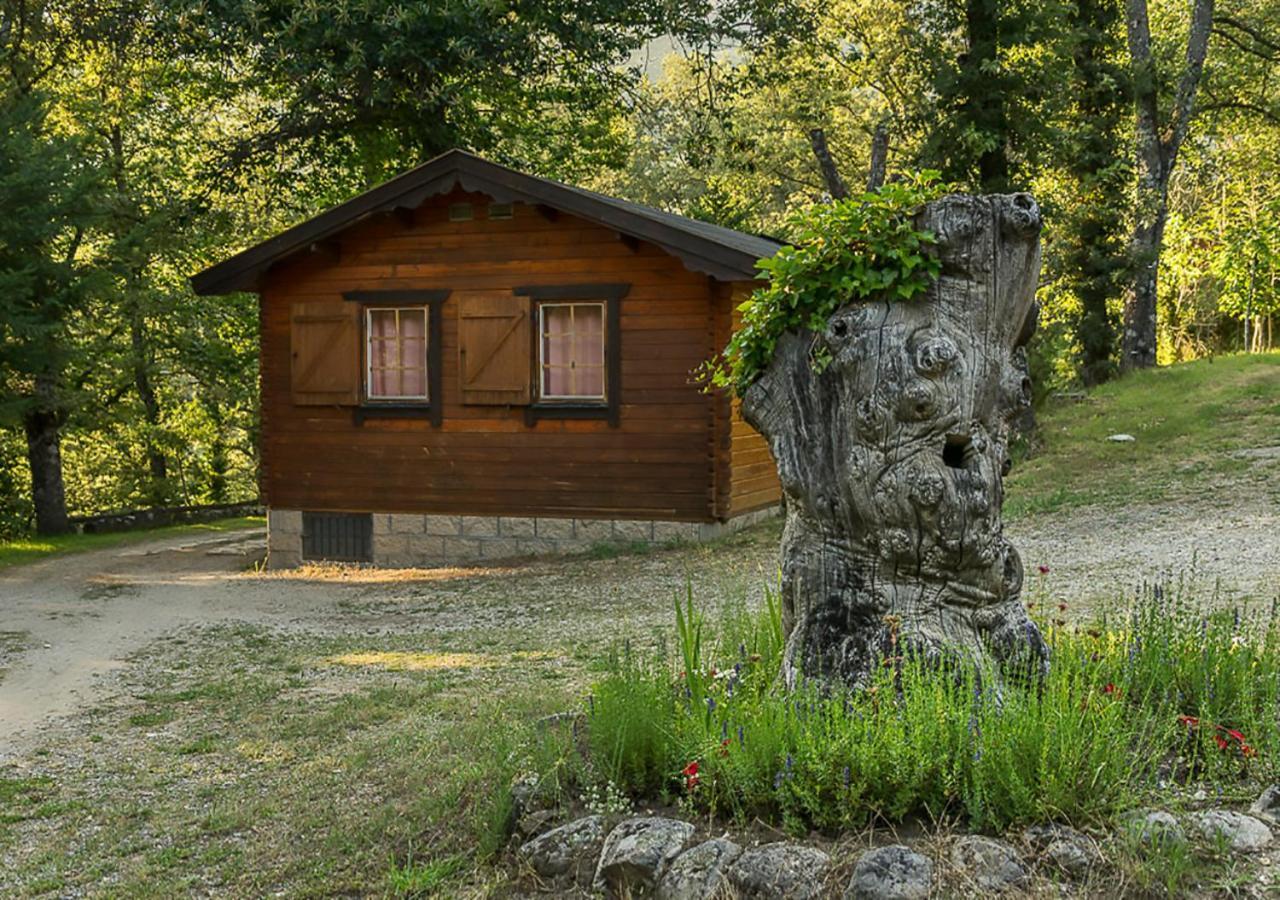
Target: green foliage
{"points": [[1083, 744], [863, 248]]}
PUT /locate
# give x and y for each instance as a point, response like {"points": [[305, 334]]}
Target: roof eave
{"points": [[244, 271]]}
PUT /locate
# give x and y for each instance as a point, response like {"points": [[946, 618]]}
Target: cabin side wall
{"points": [[484, 482], [753, 476]]}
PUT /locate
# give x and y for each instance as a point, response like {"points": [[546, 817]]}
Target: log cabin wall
{"points": [[659, 463], [753, 477]]}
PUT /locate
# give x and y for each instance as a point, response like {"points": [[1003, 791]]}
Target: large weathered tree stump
{"points": [[892, 458]]}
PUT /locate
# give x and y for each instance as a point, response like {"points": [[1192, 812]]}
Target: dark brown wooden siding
{"points": [[753, 475], [485, 460]]}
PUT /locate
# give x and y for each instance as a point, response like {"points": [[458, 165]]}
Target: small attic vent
{"points": [[501, 211], [460, 212]]}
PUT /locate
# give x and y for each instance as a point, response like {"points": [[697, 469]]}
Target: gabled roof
{"points": [[721, 252]]}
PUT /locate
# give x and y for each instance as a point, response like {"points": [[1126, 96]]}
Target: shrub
{"points": [[1169, 689], [859, 249]]}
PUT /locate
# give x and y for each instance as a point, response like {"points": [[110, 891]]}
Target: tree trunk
{"points": [[1094, 229], [879, 156], [1139, 345], [984, 93], [830, 174], [156, 461], [1157, 152], [43, 426], [892, 459]]}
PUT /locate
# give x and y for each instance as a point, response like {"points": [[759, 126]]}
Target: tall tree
{"points": [[987, 83], [1158, 139], [1093, 252], [42, 283], [362, 87]]}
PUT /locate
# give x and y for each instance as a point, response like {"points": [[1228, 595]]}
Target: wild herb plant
{"points": [[1169, 690], [861, 248]]}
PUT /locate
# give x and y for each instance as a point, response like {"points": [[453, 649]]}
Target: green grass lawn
{"points": [[25, 550], [1189, 421]]}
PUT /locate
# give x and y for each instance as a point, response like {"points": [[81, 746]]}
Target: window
{"points": [[399, 371], [460, 212], [571, 341], [501, 211], [396, 367]]}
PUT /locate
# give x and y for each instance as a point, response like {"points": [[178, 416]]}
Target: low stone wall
{"points": [[162, 515], [404, 540]]}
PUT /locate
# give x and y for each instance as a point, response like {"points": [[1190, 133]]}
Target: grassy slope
{"points": [[25, 550], [1188, 420]]}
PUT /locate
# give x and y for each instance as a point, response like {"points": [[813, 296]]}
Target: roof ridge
{"points": [[716, 250]]}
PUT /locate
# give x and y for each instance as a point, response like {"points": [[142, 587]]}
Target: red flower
{"points": [[724, 747], [1222, 742], [1062, 607], [690, 773], [1110, 688], [1044, 570], [1189, 721]]}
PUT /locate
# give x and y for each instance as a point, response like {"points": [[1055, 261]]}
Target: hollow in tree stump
{"points": [[892, 458]]}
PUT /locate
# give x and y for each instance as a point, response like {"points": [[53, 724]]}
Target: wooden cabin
{"points": [[469, 362]]}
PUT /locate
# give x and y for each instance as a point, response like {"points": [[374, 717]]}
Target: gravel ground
{"points": [[69, 623]]}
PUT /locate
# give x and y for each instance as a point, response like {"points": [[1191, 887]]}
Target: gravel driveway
{"points": [[71, 622]]}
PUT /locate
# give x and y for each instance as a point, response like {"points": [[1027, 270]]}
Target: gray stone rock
{"points": [[780, 871], [891, 873], [1245, 834], [638, 851], [523, 791], [570, 850], [1067, 849], [1155, 826], [1267, 806], [1075, 859], [990, 864], [534, 822], [1121, 438], [699, 872]]}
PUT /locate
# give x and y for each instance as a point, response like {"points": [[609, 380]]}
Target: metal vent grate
{"points": [[340, 537]]}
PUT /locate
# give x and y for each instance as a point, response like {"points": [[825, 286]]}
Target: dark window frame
{"points": [[610, 409], [433, 407]]}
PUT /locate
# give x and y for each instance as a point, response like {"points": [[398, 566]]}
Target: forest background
{"points": [[141, 140]]}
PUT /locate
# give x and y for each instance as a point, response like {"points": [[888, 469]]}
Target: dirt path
{"points": [[70, 621], [73, 619]]}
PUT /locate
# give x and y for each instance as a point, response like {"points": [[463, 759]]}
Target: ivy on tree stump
{"points": [[892, 457]]}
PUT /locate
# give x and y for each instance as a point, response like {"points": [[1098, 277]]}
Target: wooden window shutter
{"points": [[325, 346], [495, 345]]}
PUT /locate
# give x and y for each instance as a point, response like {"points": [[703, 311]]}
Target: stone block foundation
{"points": [[403, 540]]}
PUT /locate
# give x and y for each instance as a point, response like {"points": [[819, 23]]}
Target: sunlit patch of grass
{"points": [[363, 574], [410, 661], [401, 661]]}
